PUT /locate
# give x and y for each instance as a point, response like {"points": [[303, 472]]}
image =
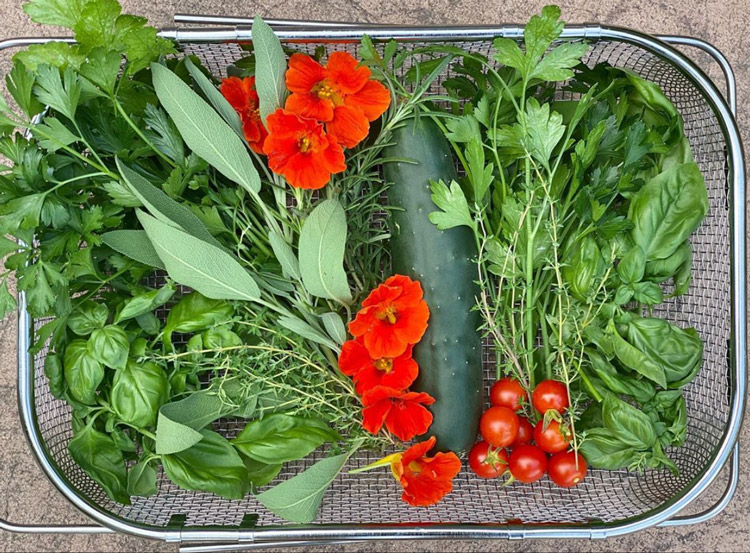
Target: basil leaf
{"points": [[321, 252], [134, 244], [679, 352], [633, 265], [649, 293], [204, 131], [298, 498], [667, 210], [138, 390], [635, 359], [628, 424], [195, 312], [212, 465], [619, 383], [259, 473], [270, 68], [142, 480], [199, 265], [110, 346], [145, 303], [97, 454], [280, 438], [603, 450], [83, 373], [88, 317], [123, 442], [53, 370]]}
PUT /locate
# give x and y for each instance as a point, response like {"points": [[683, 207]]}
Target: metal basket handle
{"points": [[717, 508]]}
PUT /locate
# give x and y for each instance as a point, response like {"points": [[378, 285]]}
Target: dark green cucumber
{"points": [[450, 353]]}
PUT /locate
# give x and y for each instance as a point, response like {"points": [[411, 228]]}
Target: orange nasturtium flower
{"points": [[403, 413], [300, 151], [426, 480], [392, 317], [368, 372], [241, 95], [341, 95]]}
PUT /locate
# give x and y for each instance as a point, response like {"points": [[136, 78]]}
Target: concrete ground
{"points": [[27, 497]]}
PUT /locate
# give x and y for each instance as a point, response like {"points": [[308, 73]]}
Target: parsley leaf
{"points": [[544, 130], [63, 13], [61, 94], [96, 24], [453, 205]]}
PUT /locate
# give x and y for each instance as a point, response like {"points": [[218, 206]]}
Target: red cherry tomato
{"points": [[527, 463], [508, 392], [487, 461], [551, 440], [550, 394], [525, 432], [563, 470], [499, 426]]}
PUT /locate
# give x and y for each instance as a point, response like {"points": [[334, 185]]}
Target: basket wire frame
{"points": [[605, 496]]}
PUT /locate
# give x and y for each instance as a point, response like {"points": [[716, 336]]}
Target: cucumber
{"points": [[450, 353]]}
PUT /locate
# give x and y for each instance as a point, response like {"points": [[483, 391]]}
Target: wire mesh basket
{"points": [[362, 506]]}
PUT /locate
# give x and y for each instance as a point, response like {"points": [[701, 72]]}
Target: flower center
{"points": [[304, 143], [389, 314], [414, 467], [384, 364], [324, 91]]}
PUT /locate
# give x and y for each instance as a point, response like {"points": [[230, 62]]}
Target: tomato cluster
{"points": [[503, 427]]}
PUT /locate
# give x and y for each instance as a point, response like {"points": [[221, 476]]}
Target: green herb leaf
{"points": [[145, 303], [632, 266], [164, 208], [20, 84], [97, 454], [142, 480], [270, 68], [101, 68], [303, 329], [280, 438], [88, 317], [631, 426], [212, 465], [298, 498], [220, 104], [53, 370], [96, 25], [138, 391], [121, 194], [53, 135], [110, 346], [603, 450], [334, 326], [204, 131], [453, 205], [284, 255], [134, 244], [635, 359], [55, 54], [557, 64], [199, 265], [321, 252], [60, 93], [259, 473], [62, 13], [83, 373], [649, 293], [544, 130], [163, 133]]}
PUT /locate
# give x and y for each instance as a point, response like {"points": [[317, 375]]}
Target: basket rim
{"points": [[321, 532]]}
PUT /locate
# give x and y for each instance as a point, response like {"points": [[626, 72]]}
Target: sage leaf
{"points": [[198, 264], [164, 208], [334, 326], [270, 68], [204, 131], [135, 245], [217, 100], [298, 498], [321, 252], [284, 255], [303, 329]]}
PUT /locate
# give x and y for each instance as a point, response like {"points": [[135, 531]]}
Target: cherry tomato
{"points": [[486, 461], [508, 392], [499, 426], [563, 470], [552, 439], [550, 394], [527, 463], [525, 432]]}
